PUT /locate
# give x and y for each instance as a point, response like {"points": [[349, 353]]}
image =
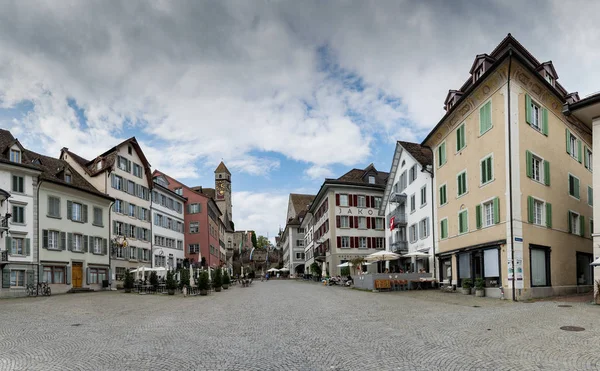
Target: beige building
{"points": [[513, 180], [122, 172]]}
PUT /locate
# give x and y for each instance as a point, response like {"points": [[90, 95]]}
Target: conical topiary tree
{"points": [[217, 280]]}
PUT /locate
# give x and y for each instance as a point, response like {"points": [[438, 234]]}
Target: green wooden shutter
{"points": [[585, 158], [568, 136], [28, 246], [478, 216], [104, 246], [496, 210], [548, 215], [63, 240], [590, 196], [482, 119], [84, 210], [8, 241], [582, 225], [579, 156], [5, 278], [70, 210], [576, 181], [546, 173], [458, 139], [85, 243], [545, 122], [30, 277], [483, 167], [529, 164], [464, 181], [70, 241], [87, 275], [528, 115], [530, 209], [44, 238], [570, 222]]}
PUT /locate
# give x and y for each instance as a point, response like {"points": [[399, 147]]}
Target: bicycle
{"points": [[44, 289], [31, 291]]}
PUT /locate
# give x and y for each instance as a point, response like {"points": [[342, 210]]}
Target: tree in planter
{"points": [[479, 287], [345, 271], [171, 283], [467, 284], [154, 280], [128, 281], [226, 280], [217, 280], [184, 278], [203, 284], [254, 242], [357, 262]]}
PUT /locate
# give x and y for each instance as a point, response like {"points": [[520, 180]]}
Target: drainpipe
{"points": [[424, 169], [510, 185], [37, 232], [110, 247]]}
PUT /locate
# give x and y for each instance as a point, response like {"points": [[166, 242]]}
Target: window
{"points": [[179, 245], [371, 179], [403, 181], [344, 221], [117, 182], [131, 187], [299, 243], [118, 229], [444, 228], [379, 223], [424, 228], [76, 212], [18, 246], [573, 145], [443, 195], [345, 241], [540, 266], [478, 73], [574, 186], [460, 138], [362, 201], [131, 210], [362, 242], [120, 273], [343, 200], [487, 171], [54, 275], [379, 243], [194, 227], [413, 232], [133, 254], [461, 181], [194, 248], [18, 184], [576, 223], [485, 118], [463, 222], [118, 207], [77, 242], [67, 178], [442, 154], [15, 155], [132, 231], [179, 191], [412, 203], [53, 206], [488, 214], [299, 256], [137, 170], [362, 222], [98, 216], [129, 150], [549, 78], [412, 175], [377, 202], [18, 214], [590, 196], [99, 165], [53, 238], [587, 159], [194, 208], [301, 230], [97, 245], [17, 278], [536, 121], [538, 212], [122, 163], [423, 195], [536, 168]]}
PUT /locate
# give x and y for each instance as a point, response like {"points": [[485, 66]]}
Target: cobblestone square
{"points": [[287, 325]]}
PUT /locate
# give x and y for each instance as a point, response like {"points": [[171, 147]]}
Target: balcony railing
{"points": [[398, 197], [399, 246], [399, 216], [4, 256], [319, 255]]}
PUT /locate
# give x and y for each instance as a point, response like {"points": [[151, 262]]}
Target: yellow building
{"points": [[513, 177]]}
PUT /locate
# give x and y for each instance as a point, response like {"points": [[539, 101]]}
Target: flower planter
{"points": [[466, 291], [217, 289], [203, 292], [127, 291], [171, 292], [225, 287], [480, 293]]}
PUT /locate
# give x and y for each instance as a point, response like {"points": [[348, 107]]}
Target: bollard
{"points": [[184, 291]]}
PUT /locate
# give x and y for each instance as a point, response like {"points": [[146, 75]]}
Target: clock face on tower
{"points": [[221, 188]]}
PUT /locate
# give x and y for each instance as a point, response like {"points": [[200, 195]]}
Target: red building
{"points": [[202, 223]]}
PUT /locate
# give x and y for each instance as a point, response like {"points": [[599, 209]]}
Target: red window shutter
{"points": [[356, 244], [372, 201], [337, 200], [339, 241], [373, 224], [368, 201], [355, 200], [373, 242], [368, 223], [350, 200], [351, 221], [383, 242], [368, 243], [356, 222], [337, 221], [351, 242]]}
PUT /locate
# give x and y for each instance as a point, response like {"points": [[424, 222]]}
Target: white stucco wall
{"points": [[160, 249]]}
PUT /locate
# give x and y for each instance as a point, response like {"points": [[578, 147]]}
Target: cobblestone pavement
{"points": [[287, 325]]}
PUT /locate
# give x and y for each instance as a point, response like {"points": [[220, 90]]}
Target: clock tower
{"points": [[223, 192]]}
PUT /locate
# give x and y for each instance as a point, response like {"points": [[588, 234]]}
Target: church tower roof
{"points": [[222, 168]]}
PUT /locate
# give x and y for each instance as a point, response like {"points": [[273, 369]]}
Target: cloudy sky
{"points": [[285, 92]]}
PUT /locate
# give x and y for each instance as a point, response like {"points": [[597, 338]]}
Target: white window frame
{"points": [[362, 204], [458, 215], [378, 201], [413, 203], [481, 182], [14, 250], [379, 221], [484, 219], [77, 216], [573, 145], [344, 199], [413, 233], [345, 239], [536, 116], [535, 157], [53, 240], [13, 220], [423, 193], [77, 247], [423, 228], [362, 225], [347, 223], [371, 179], [575, 227], [18, 282], [466, 183], [543, 212], [17, 155], [97, 245], [362, 245], [446, 193], [412, 174]]}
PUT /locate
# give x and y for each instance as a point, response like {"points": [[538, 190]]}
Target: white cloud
{"points": [[262, 212], [319, 172]]}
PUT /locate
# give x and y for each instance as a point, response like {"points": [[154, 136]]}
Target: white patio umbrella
{"points": [[595, 263], [273, 270], [143, 270], [382, 256], [284, 269], [346, 264], [416, 254]]}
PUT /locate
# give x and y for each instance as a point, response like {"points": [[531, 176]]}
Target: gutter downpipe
{"points": [[424, 169], [38, 233], [510, 184]]}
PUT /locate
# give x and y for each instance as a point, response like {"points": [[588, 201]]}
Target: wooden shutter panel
{"points": [[356, 222], [496, 210], [84, 210], [28, 246], [338, 221], [85, 243], [529, 164], [68, 275], [548, 215], [528, 113], [70, 210], [104, 246], [70, 241], [478, 216], [368, 223], [545, 122], [87, 275], [350, 199], [5, 278], [63, 240], [355, 203], [351, 242], [368, 243], [339, 242], [45, 239], [570, 222], [568, 136], [530, 209], [576, 181], [356, 243], [351, 220], [582, 225], [579, 156]]}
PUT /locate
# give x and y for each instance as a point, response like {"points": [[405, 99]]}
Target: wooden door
{"points": [[77, 275]]}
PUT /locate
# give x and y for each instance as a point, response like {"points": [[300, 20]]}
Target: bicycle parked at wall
{"points": [[44, 289]]}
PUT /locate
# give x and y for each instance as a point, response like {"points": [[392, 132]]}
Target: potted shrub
{"points": [[597, 292], [154, 280], [480, 287], [128, 281], [217, 280], [226, 280], [184, 278], [171, 283], [467, 284], [203, 283]]}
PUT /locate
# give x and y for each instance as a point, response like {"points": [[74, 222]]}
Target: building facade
{"points": [[123, 173], [292, 238], [168, 225], [309, 246], [519, 209], [407, 203], [346, 222]]}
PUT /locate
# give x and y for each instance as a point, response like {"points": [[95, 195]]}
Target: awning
{"points": [[595, 263]]}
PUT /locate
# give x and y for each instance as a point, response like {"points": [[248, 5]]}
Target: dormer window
{"points": [[371, 179], [478, 73], [37, 161], [67, 177], [129, 150], [550, 79], [15, 155], [99, 165]]}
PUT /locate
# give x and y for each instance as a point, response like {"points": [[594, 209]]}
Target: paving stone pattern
{"points": [[287, 325]]}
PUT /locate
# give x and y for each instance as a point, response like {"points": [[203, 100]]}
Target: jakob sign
{"points": [[357, 211]]}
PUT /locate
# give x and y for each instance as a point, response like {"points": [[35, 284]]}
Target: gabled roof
{"points": [[478, 58], [301, 201], [362, 175], [7, 141], [222, 168], [548, 66], [208, 192], [418, 152]]}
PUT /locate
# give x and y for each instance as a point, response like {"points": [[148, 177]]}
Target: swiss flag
{"points": [[392, 223]]}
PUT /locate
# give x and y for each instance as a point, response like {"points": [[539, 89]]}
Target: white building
{"points": [[408, 207], [18, 208], [345, 218], [309, 245], [122, 172], [168, 225], [292, 238]]}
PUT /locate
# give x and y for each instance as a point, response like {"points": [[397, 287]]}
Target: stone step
{"points": [[80, 289]]}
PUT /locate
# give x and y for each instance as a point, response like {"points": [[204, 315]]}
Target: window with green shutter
{"points": [[487, 170], [573, 186], [442, 154], [444, 228], [461, 183], [463, 223], [546, 173], [496, 206], [460, 138], [590, 196], [485, 117], [548, 215], [443, 195]]}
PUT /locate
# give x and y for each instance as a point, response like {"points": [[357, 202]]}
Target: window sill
{"points": [[19, 224], [53, 216], [423, 205], [77, 221], [77, 251], [444, 204], [575, 198], [459, 152], [17, 255], [53, 249], [486, 183], [463, 195], [485, 132]]}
